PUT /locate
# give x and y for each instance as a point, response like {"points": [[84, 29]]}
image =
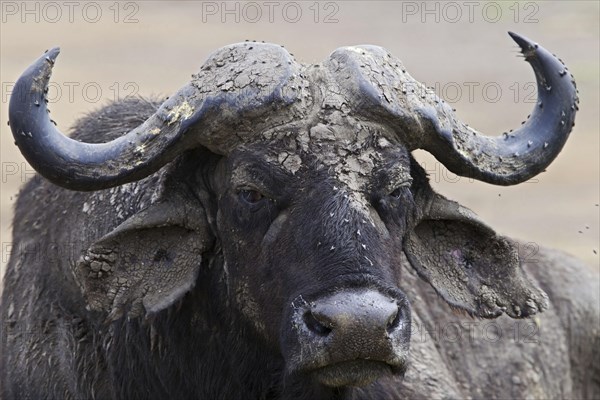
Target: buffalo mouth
{"points": [[355, 372]]}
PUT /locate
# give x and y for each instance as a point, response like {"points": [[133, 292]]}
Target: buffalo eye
{"points": [[250, 196], [397, 193], [400, 191]]}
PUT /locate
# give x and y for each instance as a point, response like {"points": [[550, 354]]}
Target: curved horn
{"points": [[519, 155], [423, 120], [235, 84]]}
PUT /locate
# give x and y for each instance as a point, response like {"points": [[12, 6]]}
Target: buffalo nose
{"points": [[353, 325], [367, 315], [350, 337]]}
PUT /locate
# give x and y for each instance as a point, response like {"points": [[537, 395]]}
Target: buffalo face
{"points": [[305, 202], [312, 253]]}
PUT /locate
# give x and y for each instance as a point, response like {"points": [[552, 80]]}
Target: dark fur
{"points": [[202, 347]]}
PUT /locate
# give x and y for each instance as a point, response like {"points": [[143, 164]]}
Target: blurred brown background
{"points": [[112, 50]]}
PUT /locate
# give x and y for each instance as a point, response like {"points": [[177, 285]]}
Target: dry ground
{"points": [[153, 47]]}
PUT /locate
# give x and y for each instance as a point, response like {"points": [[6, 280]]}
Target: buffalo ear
{"points": [[148, 262], [469, 265]]}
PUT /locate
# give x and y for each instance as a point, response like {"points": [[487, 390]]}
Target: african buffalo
{"points": [[265, 233]]}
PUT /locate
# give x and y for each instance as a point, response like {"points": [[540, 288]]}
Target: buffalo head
{"points": [[295, 186]]}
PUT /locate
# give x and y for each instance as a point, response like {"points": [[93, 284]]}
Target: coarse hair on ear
{"points": [[149, 261], [469, 265]]}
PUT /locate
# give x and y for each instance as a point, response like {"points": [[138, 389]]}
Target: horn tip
{"points": [[52, 54], [525, 44]]}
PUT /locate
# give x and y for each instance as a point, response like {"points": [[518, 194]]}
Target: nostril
{"points": [[394, 320], [314, 325]]}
